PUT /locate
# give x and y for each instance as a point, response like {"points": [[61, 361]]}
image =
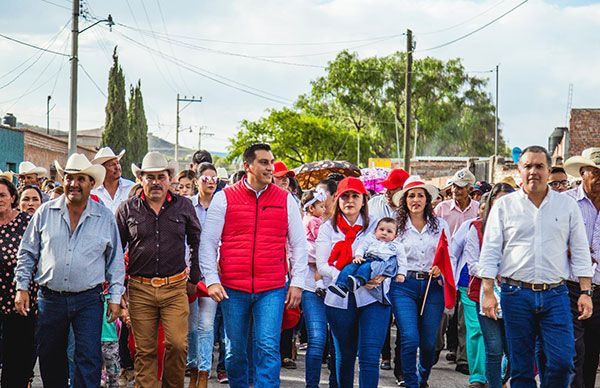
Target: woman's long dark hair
{"points": [[404, 214], [497, 189], [364, 212]]}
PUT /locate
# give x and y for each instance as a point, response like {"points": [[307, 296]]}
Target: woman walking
{"points": [[202, 310], [419, 230], [494, 337], [17, 330], [358, 321]]}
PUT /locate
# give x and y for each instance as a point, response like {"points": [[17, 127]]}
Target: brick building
{"points": [[583, 132]]}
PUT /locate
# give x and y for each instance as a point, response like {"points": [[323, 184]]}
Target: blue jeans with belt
{"points": [[416, 331], [56, 313], [528, 314], [359, 330], [263, 313]]}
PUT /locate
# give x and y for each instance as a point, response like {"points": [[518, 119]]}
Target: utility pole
{"points": [[48, 115], [74, 65], [358, 148], [202, 133], [185, 99], [408, 92], [496, 117], [416, 137]]}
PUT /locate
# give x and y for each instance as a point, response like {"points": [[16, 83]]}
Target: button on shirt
{"points": [[157, 242], [215, 221], [591, 220], [530, 244], [121, 195], [420, 246], [72, 262], [453, 215]]}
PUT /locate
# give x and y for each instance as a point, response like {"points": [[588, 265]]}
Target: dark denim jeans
{"points": [[57, 313], [359, 330], [416, 331], [361, 272], [529, 314], [496, 347], [265, 311], [315, 320]]}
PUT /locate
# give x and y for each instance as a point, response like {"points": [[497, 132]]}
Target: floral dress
{"points": [[10, 239]]}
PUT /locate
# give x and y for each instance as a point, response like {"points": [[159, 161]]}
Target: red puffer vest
{"points": [[253, 242]]}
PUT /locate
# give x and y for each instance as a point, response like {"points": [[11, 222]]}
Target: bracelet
{"points": [[586, 292]]}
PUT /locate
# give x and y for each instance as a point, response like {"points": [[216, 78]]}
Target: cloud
{"points": [[541, 48]]}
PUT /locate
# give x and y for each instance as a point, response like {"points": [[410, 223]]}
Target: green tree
{"points": [[138, 126], [115, 133]]}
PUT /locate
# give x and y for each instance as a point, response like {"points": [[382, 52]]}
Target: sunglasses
{"points": [[208, 179]]}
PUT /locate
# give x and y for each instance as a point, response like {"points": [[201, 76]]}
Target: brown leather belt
{"points": [[532, 286], [159, 282]]}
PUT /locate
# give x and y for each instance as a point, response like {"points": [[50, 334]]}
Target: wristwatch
{"points": [[586, 292]]}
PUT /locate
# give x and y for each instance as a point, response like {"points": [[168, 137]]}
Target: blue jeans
{"points": [[315, 319], [416, 331], [265, 309], [496, 347], [359, 330], [361, 272], [201, 336], [529, 314], [57, 313]]}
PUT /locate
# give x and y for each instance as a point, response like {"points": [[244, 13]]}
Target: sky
{"points": [[271, 50]]}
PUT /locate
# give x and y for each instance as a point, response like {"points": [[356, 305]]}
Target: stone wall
{"points": [[584, 130]]}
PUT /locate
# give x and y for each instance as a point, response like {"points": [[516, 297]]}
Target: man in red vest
{"points": [[256, 223]]}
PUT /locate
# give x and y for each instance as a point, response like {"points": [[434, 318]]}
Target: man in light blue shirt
{"points": [[71, 247]]}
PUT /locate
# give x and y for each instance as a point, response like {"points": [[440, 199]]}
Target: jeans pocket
{"points": [[560, 290], [508, 289]]}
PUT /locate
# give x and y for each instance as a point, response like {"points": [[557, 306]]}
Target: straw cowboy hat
{"points": [[79, 164], [590, 157], [105, 154], [7, 174], [26, 168], [414, 182], [153, 162]]}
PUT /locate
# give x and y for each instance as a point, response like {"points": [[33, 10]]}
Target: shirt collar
{"points": [[581, 194], [251, 188], [359, 220], [453, 205], [549, 195], [61, 204], [169, 196], [410, 225]]}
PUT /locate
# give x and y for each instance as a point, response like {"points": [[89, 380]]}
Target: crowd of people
{"points": [[108, 281]]}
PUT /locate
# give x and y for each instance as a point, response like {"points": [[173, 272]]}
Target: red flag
{"points": [[442, 260]]}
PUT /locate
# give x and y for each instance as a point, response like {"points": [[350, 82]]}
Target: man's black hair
{"points": [[250, 152], [331, 185], [537, 150], [202, 156], [557, 170]]}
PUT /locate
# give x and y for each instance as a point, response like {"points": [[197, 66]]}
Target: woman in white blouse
{"points": [[359, 321], [419, 230]]}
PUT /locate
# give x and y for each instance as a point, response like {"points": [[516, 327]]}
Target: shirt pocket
{"points": [[138, 226], [176, 225]]}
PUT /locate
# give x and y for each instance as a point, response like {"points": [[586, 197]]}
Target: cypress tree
{"points": [[115, 133], [138, 126]]}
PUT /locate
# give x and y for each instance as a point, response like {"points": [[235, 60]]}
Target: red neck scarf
{"points": [[341, 254]]}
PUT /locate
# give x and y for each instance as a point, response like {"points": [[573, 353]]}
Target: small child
{"points": [[110, 350], [313, 204], [378, 254]]}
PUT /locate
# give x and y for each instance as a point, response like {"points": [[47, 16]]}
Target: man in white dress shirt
{"points": [[534, 239], [115, 188]]}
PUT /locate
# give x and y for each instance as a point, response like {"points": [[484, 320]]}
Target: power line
{"points": [[464, 21], [33, 46], [57, 5], [91, 79], [476, 30]]}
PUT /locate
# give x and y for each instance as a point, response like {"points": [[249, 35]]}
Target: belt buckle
{"points": [[157, 282], [419, 276], [534, 287]]}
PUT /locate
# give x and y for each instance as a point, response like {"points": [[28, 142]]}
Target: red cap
{"points": [[395, 179], [280, 169], [350, 184]]}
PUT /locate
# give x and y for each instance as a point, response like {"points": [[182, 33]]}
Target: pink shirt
{"points": [[311, 228], [450, 212]]}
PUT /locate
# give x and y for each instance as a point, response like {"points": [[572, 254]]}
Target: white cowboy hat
{"points": [[222, 173], [26, 168], [105, 154], [415, 182], [590, 157], [154, 162], [79, 164], [7, 174]]}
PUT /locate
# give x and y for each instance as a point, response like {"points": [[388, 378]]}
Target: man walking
{"points": [[586, 332], [254, 220], [534, 239], [156, 226], [74, 244], [381, 206], [115, 188]]}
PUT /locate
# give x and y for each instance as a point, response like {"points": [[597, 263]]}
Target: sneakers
{"points": [[353, 283], [385, 365], [222, 377], [337, 290]]}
